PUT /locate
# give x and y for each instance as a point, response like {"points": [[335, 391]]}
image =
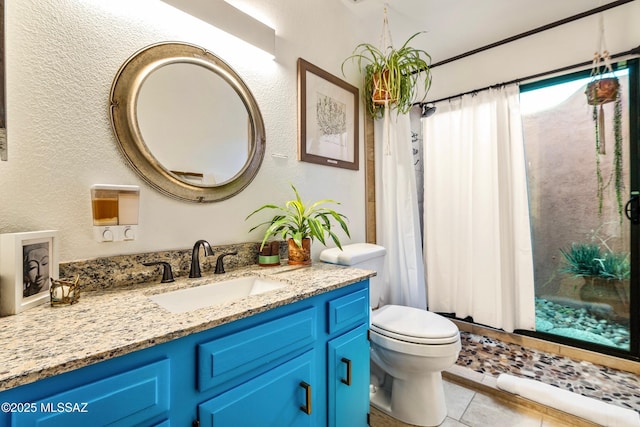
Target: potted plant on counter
{"points": [[300, 223], [391, 76]]}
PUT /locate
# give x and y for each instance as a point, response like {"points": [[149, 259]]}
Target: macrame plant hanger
{"points": [[601, 90], [604, 88], [380, 93]]}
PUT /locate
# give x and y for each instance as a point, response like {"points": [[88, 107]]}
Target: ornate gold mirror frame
{"points": [[124, 97]]}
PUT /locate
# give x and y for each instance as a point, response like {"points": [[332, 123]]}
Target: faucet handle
{"points": [[167, 273], [194, 271], [220, 263]]}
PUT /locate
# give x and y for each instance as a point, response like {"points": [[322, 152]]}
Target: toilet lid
{"points": [[352, 254], [413, 325]]}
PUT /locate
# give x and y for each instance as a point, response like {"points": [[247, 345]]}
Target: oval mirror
{"points": [[186, 122]]}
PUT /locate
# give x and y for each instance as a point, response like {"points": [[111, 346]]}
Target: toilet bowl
{"points": [[410, 347]]}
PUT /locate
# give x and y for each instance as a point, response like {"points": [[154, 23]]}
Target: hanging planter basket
{"points": [[380, 94], [392, 77], [602, 91]]}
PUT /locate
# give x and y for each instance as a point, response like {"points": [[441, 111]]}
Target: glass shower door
{"points": [[578, 189]]}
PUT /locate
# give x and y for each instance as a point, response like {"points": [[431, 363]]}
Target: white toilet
{"points": [[409, 347]]}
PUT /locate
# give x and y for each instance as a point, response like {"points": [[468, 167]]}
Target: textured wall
{"points": [[62, 56]]}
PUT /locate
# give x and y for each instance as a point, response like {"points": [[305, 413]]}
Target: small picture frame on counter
{"points": [[28, 262]]}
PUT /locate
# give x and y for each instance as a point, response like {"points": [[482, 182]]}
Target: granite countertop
{"points": [[45, 341]]}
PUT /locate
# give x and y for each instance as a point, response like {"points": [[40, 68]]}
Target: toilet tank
{"points": [[366, 256]]}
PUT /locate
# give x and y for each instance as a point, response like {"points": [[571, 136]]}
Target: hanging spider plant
{"points": [[391, 76], [601, 91], [604, 88]]}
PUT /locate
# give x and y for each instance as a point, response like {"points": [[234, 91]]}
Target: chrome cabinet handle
{"points": [[307, 388], [348, 363]]}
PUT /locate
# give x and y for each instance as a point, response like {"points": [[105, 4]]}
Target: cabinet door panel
{"points": [[121, 400], [245, 352], [348, 374], [273, 399], [348, 311]]}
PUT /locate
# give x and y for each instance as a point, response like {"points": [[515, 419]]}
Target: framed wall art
{"points": [[28, 262], [327, 118]]}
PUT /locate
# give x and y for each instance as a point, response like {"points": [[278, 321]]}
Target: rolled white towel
{"points": [[588, 408]]}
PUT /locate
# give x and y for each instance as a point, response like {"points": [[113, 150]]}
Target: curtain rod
{"points": [[590, 12], [534, 31], [634, 51]]}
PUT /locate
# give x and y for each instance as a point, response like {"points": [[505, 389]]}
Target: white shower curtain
{"points": [[477, 238], [398, 222]]}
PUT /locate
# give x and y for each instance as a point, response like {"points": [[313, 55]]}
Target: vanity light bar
{"points": [[231, 20]]}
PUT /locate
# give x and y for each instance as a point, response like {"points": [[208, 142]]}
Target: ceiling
{"points": [[454, 27]]}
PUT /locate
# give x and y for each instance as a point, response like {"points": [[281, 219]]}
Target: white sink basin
{"points": [[184, 300]]}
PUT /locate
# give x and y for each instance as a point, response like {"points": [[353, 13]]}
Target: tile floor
{"points": [[474, 400], [467, 407]]}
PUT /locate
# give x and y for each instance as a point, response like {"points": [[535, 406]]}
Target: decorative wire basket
{"points": [[64, 291]]}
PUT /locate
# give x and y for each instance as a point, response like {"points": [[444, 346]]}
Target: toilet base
{"points": [[419, 401]]}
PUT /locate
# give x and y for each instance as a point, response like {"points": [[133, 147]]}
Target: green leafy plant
{"points": [[396, 71], [588, 259], [614, 266], [601, 91], [298, 220]]}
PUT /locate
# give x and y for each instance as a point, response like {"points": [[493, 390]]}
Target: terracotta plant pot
{"points": [[614, 293], [380, 94], [602, 91], [300, 255]]}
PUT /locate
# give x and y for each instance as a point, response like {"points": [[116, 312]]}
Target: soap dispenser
{"points": [[115, 212]]}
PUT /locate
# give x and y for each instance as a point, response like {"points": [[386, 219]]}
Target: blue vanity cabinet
{"points": [[132, 395], [348, 374], [282, 367], [278, 359], [224, 360], [306, 390], [348, 360], [283, 396]]}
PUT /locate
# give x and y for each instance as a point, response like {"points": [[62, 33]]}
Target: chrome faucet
{"points": [[195, 257]]}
